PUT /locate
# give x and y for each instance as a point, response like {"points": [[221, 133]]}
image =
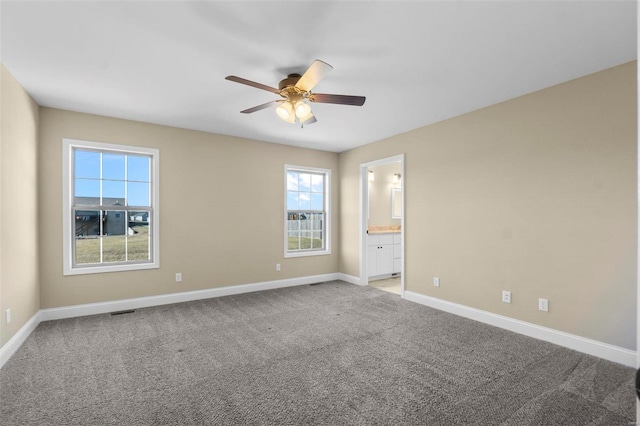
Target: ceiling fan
{"points": [[295, 91]]}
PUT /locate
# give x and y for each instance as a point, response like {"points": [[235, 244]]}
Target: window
{"points": [[110, 207], [307, 228]]}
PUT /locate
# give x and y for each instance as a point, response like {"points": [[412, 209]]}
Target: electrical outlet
{"points": [[179, 277], [7, 316], [436, 281], [277, 267], [543, 305], [506, 296]]}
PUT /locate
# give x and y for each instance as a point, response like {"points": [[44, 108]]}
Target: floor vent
{"points": [[130, 311], [323, 282]]}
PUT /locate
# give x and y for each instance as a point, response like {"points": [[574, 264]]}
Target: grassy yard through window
{"points": [[304, 243], [113, 247]]}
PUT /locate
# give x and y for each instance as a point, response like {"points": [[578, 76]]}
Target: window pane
{"points": [[138, 236], [87, 223], [305, 240], [292, 181], [138, 168], [140, 218], [113, 166], [293, 223], [293, 242], [316, 242], [292, 200], [317, 201], [87, 250], [318, 221], [87, 241], [304, 201], [304, 182], [138, 194], [114, 222], [112, 193], [138, 247], [114, 229], [311, 219], [114, 248], [87, 191], [317, 183], [86, 164], [305, 223]]}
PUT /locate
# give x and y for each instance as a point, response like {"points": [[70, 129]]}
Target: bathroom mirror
{"points": [[396, 203]]}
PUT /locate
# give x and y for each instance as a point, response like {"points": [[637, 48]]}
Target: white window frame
{"points": [[327, 208], [68, 147]]}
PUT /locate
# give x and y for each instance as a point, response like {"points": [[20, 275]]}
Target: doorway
{"points": [[382, 218]]}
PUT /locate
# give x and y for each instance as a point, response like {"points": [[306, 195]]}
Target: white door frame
{"points": [[364, 205]]}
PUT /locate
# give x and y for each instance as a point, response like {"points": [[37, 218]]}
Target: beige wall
{"points": [[536, 195], [19, 288], [221, 209], [380, 195]]}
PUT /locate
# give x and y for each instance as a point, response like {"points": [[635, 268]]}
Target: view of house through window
{"points": [[306, 216], [111, 207]]}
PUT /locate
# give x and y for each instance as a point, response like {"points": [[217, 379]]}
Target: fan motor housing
{"points": [[291, 80]]}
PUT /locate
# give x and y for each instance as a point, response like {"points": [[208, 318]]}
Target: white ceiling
{"points": [[416, 62]]}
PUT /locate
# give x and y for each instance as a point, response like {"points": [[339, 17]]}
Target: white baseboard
{"points": [[350, 279], [165, 299], [18, 339], [581, 344]]}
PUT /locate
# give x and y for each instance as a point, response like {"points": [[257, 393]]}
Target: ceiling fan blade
{"points": [[313, 75], [259, 107], [324, 98], [252, 83]]}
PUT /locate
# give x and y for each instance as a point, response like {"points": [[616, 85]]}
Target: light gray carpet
{"points": [[329, 354]]}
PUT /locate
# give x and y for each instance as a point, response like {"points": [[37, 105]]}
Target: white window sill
{"points": [[111, 268], [307, 253]]}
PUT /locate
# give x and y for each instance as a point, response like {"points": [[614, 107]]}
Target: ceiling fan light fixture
{"points": [[302, 110], [285, 112]]}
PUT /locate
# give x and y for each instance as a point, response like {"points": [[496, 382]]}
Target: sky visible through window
{"points": [[305, 191], [125, 178]]}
